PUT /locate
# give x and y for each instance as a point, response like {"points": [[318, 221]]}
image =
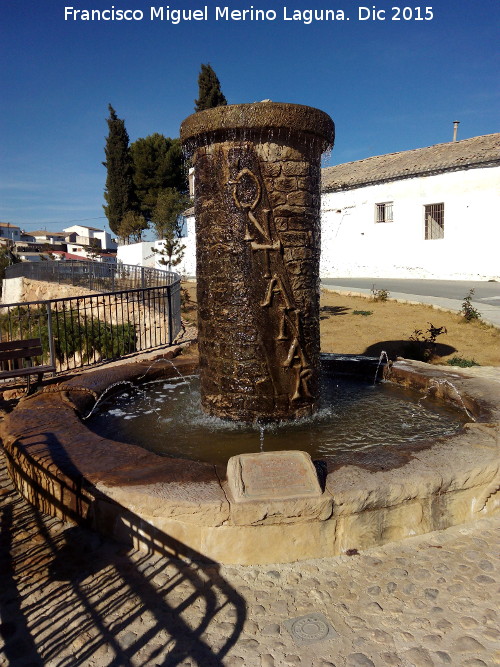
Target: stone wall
{"points": [[15, 290]]}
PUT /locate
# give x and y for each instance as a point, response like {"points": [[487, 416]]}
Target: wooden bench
{"points": [[20, 353]]}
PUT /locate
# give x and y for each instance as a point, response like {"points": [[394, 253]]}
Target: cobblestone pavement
{"points": [[71, 597]]}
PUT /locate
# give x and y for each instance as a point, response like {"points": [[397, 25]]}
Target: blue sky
{"points": [[388, 85]]}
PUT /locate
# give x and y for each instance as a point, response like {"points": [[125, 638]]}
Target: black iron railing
{"points": [[95, 276], [94, 328]]}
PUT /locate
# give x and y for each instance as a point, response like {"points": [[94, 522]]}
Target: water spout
{"points": [[443, 382], [380, 359]]}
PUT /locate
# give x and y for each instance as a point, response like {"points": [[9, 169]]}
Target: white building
{"points": [[9, 232], [426, 213], [147, 253], [84, 236]]}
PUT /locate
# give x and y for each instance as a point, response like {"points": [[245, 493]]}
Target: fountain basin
{"points": [[364, 499]]}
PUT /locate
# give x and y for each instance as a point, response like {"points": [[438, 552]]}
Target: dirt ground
{"points": [[389, 325]]}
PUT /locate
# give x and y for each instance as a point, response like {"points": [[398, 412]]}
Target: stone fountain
{"points": [[257, 176], [257, 170]]}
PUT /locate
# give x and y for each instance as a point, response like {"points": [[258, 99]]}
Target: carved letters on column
{"points": [[259, 235]]}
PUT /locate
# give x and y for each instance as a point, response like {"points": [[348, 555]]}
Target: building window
{"points": [[434, 221], [383, 212]]}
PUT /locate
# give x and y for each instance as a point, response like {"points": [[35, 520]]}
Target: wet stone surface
{"points": [[257, 237], [72, 597]]}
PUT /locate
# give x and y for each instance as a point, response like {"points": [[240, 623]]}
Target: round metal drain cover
{"points": [[309, 629]]}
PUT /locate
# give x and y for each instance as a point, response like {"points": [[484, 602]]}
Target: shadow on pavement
{"points": [[108, 602]]}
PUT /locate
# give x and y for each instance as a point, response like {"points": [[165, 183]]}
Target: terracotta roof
{"points": [[9, 224], [453, 156], [68, 255]]}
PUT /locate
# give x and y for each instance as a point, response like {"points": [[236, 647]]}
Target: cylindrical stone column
{"points": [[257, 199]]}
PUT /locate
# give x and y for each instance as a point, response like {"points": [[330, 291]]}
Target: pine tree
{"points": [[157, 164], [167, 222], [119, 191], [209, 92]]}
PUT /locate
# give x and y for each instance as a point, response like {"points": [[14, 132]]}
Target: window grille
{"points": [[434, 221], [383, 212]]}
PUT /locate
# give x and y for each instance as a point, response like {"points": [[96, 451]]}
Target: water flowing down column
{"points": [[257, 185]]}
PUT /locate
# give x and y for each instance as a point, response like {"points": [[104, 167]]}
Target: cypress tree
{"points": [[209, 92], [119, 191], [157, 164]]}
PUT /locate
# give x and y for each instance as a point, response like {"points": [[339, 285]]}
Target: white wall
{"points": [[141, 254], [107, 243], [187, 267], [138, 254], [354, 245]]}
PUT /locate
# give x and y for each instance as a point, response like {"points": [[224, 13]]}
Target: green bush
{"points": [[461, 362], [468, 311], [73, 333], [379, 294]]}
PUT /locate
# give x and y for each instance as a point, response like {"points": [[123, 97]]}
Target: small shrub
{"points": [[422, 345], [461, 362], [468, 311], [186, 301], [365, 313], [379, 294]]}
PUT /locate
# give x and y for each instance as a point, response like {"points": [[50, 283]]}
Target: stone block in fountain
{"points": [[257, 182]]}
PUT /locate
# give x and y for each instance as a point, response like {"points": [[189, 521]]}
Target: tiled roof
{"points": [[44, 232], [452, 156], [9, 225]]}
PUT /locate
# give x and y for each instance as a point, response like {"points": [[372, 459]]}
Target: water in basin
{"points": [[166, 418]]}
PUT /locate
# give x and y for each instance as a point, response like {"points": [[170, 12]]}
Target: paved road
{"points": [[447, 294], [484, 292]]}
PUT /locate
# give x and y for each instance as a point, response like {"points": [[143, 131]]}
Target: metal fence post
{"points": [[170, 318], [50, 335]]}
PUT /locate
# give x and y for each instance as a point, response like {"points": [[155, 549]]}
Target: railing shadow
{"points": [[72, 596]]}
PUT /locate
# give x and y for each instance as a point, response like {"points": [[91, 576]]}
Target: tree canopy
{"points": [[119, 191], [132, 226], [209, 91], [157, 164]]}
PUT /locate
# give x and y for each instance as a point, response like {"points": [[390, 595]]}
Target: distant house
{"points": [[426, 213], [9, 232], [43, 236], [89, 236]]}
